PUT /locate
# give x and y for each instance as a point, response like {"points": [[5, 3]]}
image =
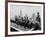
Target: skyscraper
{"points": [[20, 13]]}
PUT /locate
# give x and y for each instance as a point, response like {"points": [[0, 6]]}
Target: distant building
{"points": [[20, 13], [26, 16]]}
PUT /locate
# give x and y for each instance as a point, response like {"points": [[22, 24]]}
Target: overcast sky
{"points": [[29, 10]]}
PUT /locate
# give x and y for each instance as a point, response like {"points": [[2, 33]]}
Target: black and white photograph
{"points": [[24, 18]]}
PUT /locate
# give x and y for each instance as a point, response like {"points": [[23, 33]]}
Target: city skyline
{"points": [[24, 10]]}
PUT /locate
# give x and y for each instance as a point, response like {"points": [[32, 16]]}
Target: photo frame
{"points": [[22, 10]]}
